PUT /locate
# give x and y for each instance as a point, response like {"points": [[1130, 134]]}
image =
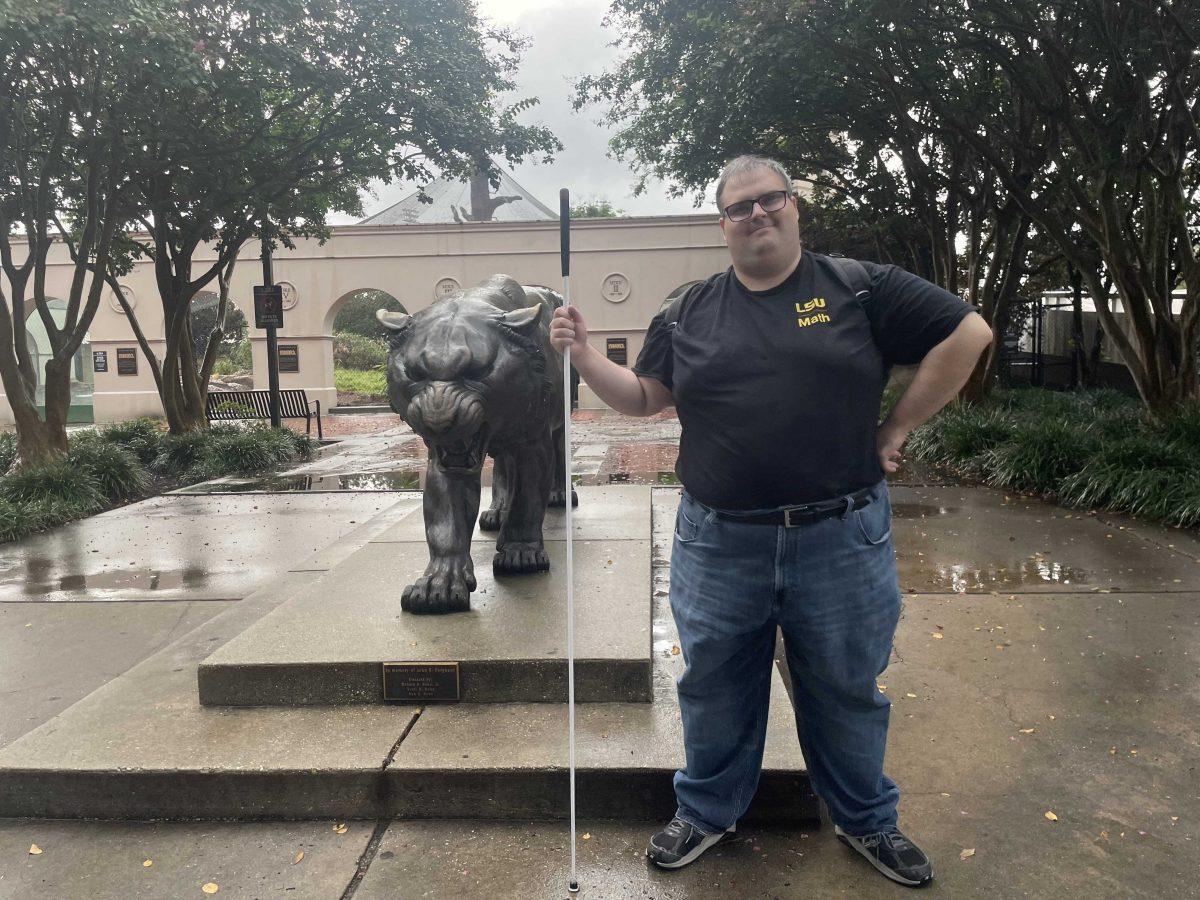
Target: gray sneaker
{"points": [[680, 843], [893, 854]]}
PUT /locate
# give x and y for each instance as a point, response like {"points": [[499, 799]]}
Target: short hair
{"points": [[749, 162]]}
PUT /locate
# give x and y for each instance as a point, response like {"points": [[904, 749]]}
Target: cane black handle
{"points": [[564, 227]]}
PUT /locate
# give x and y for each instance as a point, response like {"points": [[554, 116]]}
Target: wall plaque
{"points": [[289, 357], [290, 296], [420, 681], [618, 350], [99, 360], [126, 360], [445, 287], [616, 288]]}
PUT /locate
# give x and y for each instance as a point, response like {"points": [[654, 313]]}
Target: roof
{"points": [[452, 203]]}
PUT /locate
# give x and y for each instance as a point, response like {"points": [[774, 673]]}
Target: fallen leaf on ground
{"points": [[299, 856], [937, 635], [911, 696], [339, 828], [967, 853], [1027, 730], [1051, 816], [587, 836], [210, 888], [147, 863], [35, 850], [674, 650]]}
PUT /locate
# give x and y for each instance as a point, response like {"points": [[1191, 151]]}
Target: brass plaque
{"points": [[420, 681]]}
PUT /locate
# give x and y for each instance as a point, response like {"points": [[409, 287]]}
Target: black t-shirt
{"points": [[778, 392]]}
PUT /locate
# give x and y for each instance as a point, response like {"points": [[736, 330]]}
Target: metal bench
{"points": [[228, 406]]}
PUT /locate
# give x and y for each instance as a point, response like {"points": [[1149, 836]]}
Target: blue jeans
{"points": [[832, 587]]}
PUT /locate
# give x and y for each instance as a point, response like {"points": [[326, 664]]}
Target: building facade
{"points": [[621, 272]]}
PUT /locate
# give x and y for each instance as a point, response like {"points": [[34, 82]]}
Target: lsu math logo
{"points": [[809, 315]]}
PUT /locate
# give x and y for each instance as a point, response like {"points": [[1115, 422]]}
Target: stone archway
{"points": [[83, 374], [358, 348], [678, 292]]}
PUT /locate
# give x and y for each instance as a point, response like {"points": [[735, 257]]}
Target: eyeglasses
{"points": [[771, 202]]}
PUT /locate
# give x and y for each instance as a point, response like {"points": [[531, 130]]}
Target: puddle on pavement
{"points": [[39, 582], [920, 510], [962, 578], [394, 480], [399, 480]]}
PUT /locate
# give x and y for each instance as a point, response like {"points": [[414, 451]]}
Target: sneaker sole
{"points": [[694, 855], [882, 869]]}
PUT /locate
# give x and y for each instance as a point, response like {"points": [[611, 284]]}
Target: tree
{"points": [[704, 81], [1108, 168], [70, 101], [1019, 135], [281, 111], [595, 208], [357, 315]]}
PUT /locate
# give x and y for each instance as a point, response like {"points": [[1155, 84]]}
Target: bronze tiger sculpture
{"points": [[473, 375]]}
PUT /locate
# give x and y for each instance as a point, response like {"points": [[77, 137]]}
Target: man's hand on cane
{"points": [[567, 329]]}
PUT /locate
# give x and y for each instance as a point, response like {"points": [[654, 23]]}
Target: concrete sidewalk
{"points": [[1046, 663]]}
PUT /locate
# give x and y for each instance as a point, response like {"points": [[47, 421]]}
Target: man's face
{"points": [[765, 242]]}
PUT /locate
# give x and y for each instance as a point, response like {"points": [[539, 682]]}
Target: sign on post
{"points": [[268, 306]]}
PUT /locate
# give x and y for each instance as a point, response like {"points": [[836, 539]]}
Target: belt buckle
{"points": [[787, 515]]}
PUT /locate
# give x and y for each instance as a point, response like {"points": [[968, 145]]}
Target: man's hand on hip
{"points": [[888, 441]]}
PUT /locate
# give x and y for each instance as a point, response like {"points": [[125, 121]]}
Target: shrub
{"points": [[1183, 428], [1126, 473], [353, 351], [141, 437], [180, 453], [961, 437], [115, 471], [60, 480], [1040, 454], [8, 450], [246, 451]]}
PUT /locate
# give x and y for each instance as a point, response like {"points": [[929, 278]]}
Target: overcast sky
{"points": [[567, 40]]}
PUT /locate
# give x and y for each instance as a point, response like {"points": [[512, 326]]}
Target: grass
{"points": [[1093, 449], [365, 382]]}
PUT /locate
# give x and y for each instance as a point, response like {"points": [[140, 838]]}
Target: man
{"points": [[776, 368]]}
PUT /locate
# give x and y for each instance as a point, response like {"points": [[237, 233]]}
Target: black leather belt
{"points": [[793, 516]]}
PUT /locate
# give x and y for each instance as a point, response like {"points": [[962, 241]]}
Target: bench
{"points": [[228, 406]]}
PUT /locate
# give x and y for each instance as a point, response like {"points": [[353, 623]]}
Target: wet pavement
{"points": [[1045, 694]]}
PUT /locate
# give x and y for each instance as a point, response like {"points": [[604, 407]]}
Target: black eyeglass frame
{"points": [[783, 192]]}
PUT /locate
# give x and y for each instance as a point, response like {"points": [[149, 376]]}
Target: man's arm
{"points": [[940, 376], [621, 388]]}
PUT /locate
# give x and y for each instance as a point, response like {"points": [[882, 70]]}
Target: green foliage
{"points": [[142, 437], [182, 453], [115, 471], [961, 437], [60, 480], [1037, 456], [595, 208], [353, 351], [353, 381], [357, 315], [8, 450], [246, 451], [234, 357]]}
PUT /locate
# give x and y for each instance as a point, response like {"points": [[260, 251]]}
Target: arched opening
{"points": [[360, 346], [82, 374], [234, 361]]}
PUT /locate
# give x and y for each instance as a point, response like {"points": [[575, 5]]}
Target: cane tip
{"points": [[573, 887]]}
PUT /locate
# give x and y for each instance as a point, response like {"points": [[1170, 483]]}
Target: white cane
{"points": [[564, 222]]}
